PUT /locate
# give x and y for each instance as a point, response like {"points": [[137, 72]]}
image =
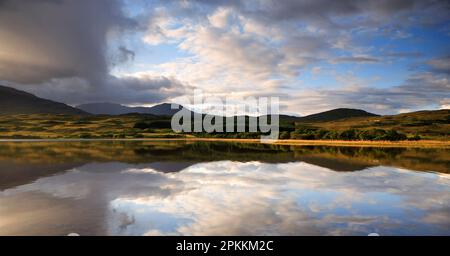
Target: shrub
{"points": [[371, 134], [415, 137], [285, 135], [156, 124], [394, 135], [331, 135], [319, 134], [85, 136], [348, 135], [140, 125]]}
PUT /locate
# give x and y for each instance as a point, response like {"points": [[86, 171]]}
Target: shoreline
{"points": [[290, 142]]}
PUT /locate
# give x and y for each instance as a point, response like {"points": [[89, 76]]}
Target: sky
{"points": [[385, 56]]}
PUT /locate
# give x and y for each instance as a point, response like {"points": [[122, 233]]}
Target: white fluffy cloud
{"points": [[246, 48], [231, 54], [419, 90]]}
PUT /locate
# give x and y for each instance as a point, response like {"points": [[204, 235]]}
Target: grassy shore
{"points": [[340, 143], [414, 144]]}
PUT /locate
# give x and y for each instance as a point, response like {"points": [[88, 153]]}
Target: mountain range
{"points": [[13, 101], [164, 109]]}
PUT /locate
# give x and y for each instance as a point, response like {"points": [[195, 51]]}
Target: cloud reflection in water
{"points": [[232, 198], [253, 198]]}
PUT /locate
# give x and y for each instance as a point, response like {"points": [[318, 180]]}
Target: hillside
{"points": [[335, 114], [163, 109], [14, 101], [428, 123]]}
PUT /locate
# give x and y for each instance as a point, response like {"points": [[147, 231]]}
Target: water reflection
{"points": [[220, 189]]}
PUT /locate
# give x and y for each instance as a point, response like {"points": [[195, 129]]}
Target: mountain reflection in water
{"points": [[181, 188]]}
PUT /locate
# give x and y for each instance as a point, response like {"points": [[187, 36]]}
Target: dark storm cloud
{"points": [[54, 39], [58, 49], [125, 90]]}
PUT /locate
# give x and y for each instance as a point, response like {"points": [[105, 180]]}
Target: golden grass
{"points": [[415, 144], [410, 144], [340, 143]]}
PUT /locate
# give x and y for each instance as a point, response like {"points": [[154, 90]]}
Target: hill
{"points": [[163, 109], [335, 114], [429, 124], [14, 101]]}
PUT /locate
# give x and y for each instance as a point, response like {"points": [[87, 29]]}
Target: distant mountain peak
{"points": [[13, 101]]}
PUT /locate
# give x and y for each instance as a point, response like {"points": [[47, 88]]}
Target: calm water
{"points": [[177, 188]]}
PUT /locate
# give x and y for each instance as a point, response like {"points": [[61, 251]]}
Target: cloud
{"points": [[125, 54], [221, 17], [160, 28], [230, 52], [254, 46], [322, 13], [61, 50], [358, 59], [65, 49], [55, 39], [440, 64], [138, 89], [404, 54], [419, 90]]}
